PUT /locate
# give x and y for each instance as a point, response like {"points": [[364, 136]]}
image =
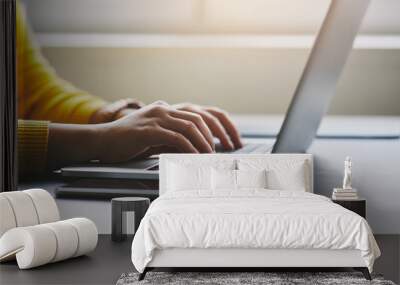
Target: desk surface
{"points": [[331, 126], [110, 259]]}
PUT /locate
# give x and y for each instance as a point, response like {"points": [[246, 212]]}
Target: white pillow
{"points": [[251, 178], [230, 180], [183, 177], [223, 179], [282, 174], [287, 178]]}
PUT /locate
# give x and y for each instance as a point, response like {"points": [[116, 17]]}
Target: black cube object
{"points": [[138, 205], [358, 206]]}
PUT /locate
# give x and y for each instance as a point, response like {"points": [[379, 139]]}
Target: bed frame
{"points": [[248, 259]]}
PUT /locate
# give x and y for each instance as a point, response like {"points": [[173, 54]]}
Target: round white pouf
{"points": [[46, 207], [6, 215], [32, 246], [67, 240], [87, 233], [23, 208], [40, 244], [30, 230]]}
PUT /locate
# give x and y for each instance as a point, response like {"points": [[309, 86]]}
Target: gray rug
{"points": [[268, 278]]}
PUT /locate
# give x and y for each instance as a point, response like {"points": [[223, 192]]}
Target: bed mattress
{"points": [[253, 219]]}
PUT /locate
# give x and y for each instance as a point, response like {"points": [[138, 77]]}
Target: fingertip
{"points": [[207, 149], [239, 144], [213, 146], [229, 146]]}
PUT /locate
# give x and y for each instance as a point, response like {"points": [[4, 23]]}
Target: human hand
{"points": [[154, 128], [218, 121], [115, 110]]}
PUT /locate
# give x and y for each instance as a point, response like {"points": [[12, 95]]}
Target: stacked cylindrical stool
{"points": [[124, 211], [31, 231]]}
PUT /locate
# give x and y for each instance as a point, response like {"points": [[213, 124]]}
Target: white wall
{"points": [[214, 16], [239, 80], [243, 80]]}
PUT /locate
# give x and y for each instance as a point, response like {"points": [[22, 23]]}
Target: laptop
{"points": [[309, 104]]}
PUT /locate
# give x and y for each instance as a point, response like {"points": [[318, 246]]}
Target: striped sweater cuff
{"points": [[32, 146]]}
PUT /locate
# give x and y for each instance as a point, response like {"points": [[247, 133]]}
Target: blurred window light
{"points": [[199, 16], [201, 23]]}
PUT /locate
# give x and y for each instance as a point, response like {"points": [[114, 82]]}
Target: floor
{"points": [[103, 266], [110, 260], [389, 262]]}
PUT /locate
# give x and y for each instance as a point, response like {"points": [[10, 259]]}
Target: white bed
{"points": [[248, 227]]}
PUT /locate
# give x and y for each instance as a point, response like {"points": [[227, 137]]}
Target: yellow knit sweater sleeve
{"points": [[43, 97], [32, 146]]}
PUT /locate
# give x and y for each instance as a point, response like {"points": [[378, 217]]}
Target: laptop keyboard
{"points": [[248, 148]]}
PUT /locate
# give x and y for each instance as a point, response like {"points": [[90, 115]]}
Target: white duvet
{"points": [[251, 219]]}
